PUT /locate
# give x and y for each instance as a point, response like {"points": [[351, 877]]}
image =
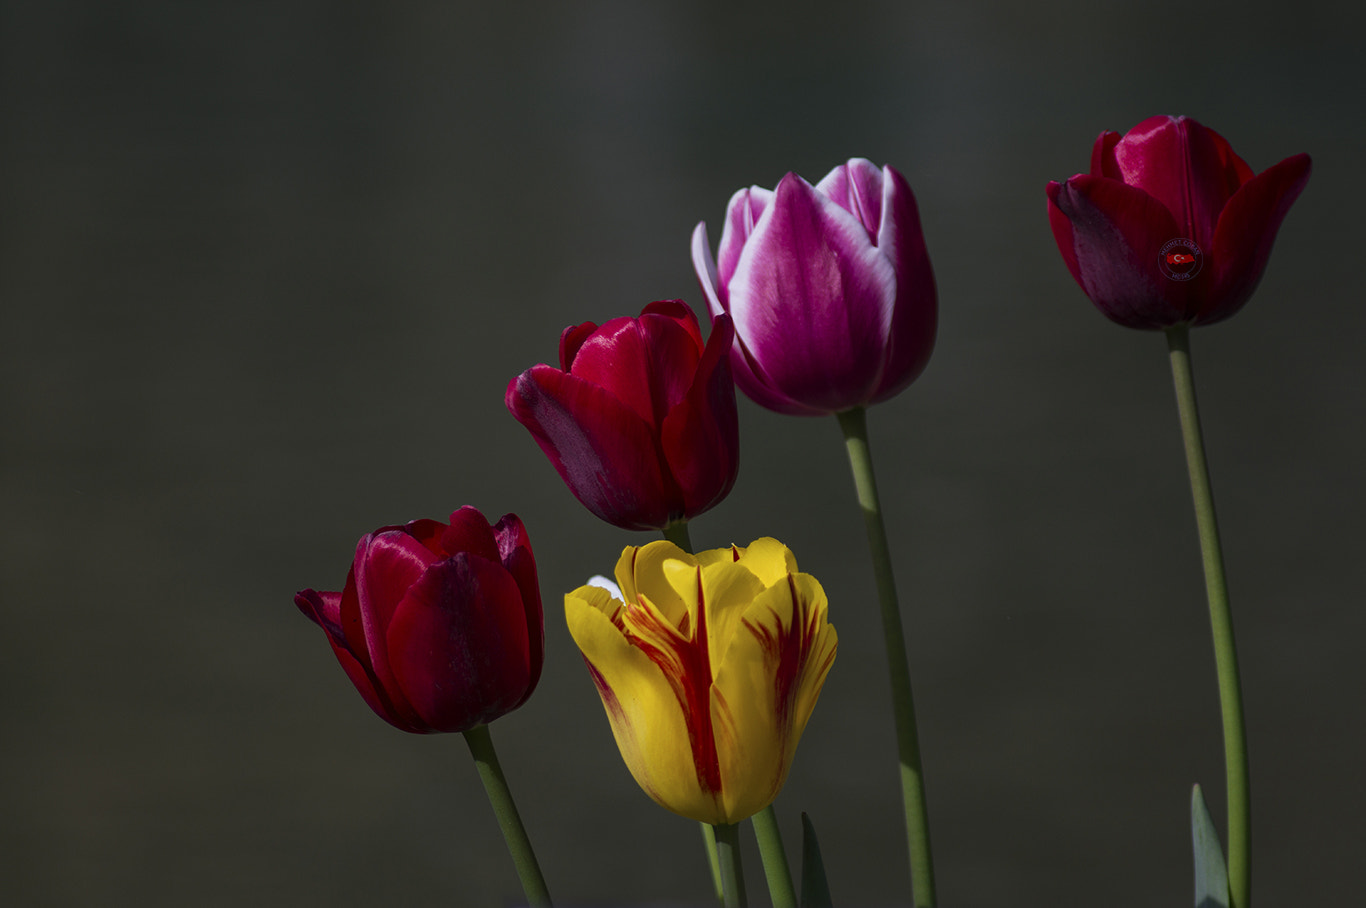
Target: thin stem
{"points": [[732, 875], [1221, 625], [780, 889], [514, 833], [854, 424], [677, 533]]}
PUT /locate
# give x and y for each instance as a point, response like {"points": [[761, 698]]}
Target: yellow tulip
{"points": [[708, 666]]}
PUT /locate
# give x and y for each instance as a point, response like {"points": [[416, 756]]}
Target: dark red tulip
{"points": [[439, 626], [640, 418], [1171, 226]]}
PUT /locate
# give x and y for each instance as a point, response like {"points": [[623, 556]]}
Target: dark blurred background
{"points": [[266, 269]]}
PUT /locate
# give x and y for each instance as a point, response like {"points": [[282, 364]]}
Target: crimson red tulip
{"points": [[640, 418], [439, 626], [1171, 226]]}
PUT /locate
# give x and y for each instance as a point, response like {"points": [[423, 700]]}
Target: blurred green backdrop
{"points": [[266, 269]]}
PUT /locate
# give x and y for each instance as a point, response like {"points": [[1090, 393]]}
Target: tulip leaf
{"points": [[1211, 875], [815, 890]]}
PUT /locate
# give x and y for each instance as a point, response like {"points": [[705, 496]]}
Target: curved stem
{"points": [[774, 856], [514, 833], [854, 424], [1221, 624], [732, 875]]}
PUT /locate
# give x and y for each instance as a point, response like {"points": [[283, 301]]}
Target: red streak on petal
{"points": [[686, 665]]}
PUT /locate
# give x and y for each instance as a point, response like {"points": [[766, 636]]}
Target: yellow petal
{"points": [[645, 705], [641, 570], [769, 559], [765, 690]]}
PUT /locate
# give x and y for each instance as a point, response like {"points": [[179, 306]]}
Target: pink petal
{"points": [[743, 212], [857, 187], [459, 644], [916, 315], [812, 300], [705, 266]]}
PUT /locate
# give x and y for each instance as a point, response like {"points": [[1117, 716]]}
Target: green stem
{"points": [[732, 875], [774, 856], [854, 424], [514, 833], [677, 533], [1221, 625]]}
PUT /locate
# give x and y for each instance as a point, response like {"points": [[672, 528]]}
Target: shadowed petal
{"points": [[459, 644], [602, 449], [1246, 232], [1112, 249]]}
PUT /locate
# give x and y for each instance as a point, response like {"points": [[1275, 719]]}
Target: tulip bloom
{"points": [[708, 667], [439, 626], [1170, 226], [830, 288], [640, 418]]}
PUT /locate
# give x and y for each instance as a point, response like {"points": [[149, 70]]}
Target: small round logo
{"points": [[1180, 259]]}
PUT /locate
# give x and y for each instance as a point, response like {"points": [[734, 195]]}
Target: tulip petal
{"points": [[857, 188], [916, 316], [1246, 232], [743, 212], [766, 689], [1189, 168], [387, 564], [700, 436], [514, 548], [811, 295], [459, 644], [1109, 235], [571, 339], [469, 531], [644, 568], [644, 707], [324, 609], [647, 363], [602, 449], [768, 559]]}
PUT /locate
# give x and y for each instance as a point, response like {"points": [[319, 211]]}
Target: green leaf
{"points": [[1211, 874], [815, 890]]}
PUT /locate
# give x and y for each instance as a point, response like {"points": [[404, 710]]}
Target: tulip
{"points": [[830, 288], [1170, 227], [439, 626], [708, 667], [640, 418]]}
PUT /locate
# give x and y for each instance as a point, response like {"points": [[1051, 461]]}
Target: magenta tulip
{"points": [[830, 288], [1170, 226], [640, 418], [439, 626]]}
